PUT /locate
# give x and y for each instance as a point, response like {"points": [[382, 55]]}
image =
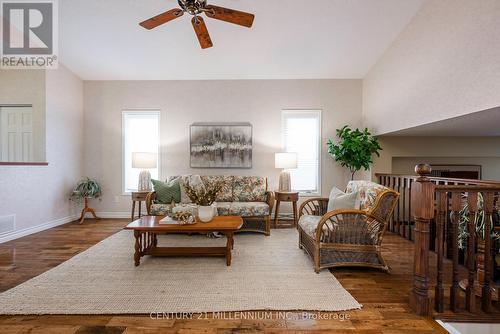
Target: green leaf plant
{"points": [[355, 149], [86, 188], [479, 221]]}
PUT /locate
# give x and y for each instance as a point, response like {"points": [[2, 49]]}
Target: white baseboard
{"points": [[115, 215], [39, 228], [30, 230]]}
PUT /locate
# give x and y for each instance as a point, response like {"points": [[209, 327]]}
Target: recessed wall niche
{"points": [[22, 117]]}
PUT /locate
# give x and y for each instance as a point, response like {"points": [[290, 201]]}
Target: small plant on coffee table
{"points": [[204, 195]]}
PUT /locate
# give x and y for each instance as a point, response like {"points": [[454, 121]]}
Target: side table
{"points": [[87, 209], [282, 196], [138, 196]]}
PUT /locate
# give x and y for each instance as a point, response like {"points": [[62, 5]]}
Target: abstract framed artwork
{"points": [[221, 145]]}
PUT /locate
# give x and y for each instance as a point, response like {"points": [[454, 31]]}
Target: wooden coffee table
{"points": [[147, 228]]}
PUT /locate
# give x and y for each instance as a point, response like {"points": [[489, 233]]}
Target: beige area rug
{"points": [[267, 273]]}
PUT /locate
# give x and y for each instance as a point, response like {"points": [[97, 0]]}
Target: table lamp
{"points": [[285, 161], [144, 161]]}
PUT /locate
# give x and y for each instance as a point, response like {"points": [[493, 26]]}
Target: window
{"points": [[140, 134], [301, 131]]}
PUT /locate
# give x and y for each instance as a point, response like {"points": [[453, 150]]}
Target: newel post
{"points": [[422, 207]]}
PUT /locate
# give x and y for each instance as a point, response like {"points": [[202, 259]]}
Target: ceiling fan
{"points": [[195, 8]]}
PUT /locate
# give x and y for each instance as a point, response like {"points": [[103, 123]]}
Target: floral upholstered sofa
{"points": [[245, 196]]}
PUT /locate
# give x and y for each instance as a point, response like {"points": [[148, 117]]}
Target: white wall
{"points": [[490, 166], [184, 102], [484, 151], [38, 196], [444, 64]]}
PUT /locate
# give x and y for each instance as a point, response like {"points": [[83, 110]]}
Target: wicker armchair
{"points": [[345, 237]]}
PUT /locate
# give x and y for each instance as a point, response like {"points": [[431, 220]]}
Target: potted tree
{"points": [[84, 190], [355, 149]]}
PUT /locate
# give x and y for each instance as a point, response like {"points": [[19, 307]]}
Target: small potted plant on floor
{"points": [[355, 149], [84, 190], [204, 196]]}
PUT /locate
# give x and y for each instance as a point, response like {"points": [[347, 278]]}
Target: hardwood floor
{"points": [[384, 296]]}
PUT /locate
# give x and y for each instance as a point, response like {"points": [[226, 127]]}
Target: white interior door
{"points": [[16, 134]]}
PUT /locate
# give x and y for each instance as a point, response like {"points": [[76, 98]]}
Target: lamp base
{"points": [[285, 184], [144, 181]]}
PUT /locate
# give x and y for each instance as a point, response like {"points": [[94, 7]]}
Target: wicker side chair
{"points": [[345, 237]]}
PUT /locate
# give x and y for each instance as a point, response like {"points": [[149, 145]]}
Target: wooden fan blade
{"points": [[162, 18], [230, 15], [201, 31]]}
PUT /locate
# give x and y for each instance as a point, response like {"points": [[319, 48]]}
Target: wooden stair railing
{"points": [[402, 221], [434, 203]]}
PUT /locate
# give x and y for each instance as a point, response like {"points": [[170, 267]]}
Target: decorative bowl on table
{"points": [[184, 217]]}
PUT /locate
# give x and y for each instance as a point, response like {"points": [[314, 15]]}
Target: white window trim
{"points": [[319, 112], [139, 112]]}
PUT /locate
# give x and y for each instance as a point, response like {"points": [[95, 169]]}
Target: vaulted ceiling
{"points": [[294, 39]]}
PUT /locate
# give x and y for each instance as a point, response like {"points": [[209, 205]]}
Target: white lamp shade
{"points": [[285, 160], [144, 160]]}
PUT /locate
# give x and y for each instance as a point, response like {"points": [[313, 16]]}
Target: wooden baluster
{"points": [[410, 185], [447, 229], [405, 180], [471, 253], [454, 289], [423, 212], [442, 208], [391, 221], [395, 213], [400, 210], [432, 227], [394, 220], [485, 284]]}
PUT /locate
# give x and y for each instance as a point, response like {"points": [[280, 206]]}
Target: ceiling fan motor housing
{"points": [[193, 7]]}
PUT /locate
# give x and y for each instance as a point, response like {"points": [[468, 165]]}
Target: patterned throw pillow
{"points": [[167, 192], [368, 192]]}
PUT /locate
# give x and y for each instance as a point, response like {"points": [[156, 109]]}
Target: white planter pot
{"points": [[206, 213]]}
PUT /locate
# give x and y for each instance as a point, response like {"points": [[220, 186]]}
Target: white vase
{"points": [[206, 213]]}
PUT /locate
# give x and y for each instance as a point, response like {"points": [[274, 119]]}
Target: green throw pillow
{"points": [[167, 192]]}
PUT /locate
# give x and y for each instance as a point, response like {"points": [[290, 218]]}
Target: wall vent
{"points": [[7, 224]]}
